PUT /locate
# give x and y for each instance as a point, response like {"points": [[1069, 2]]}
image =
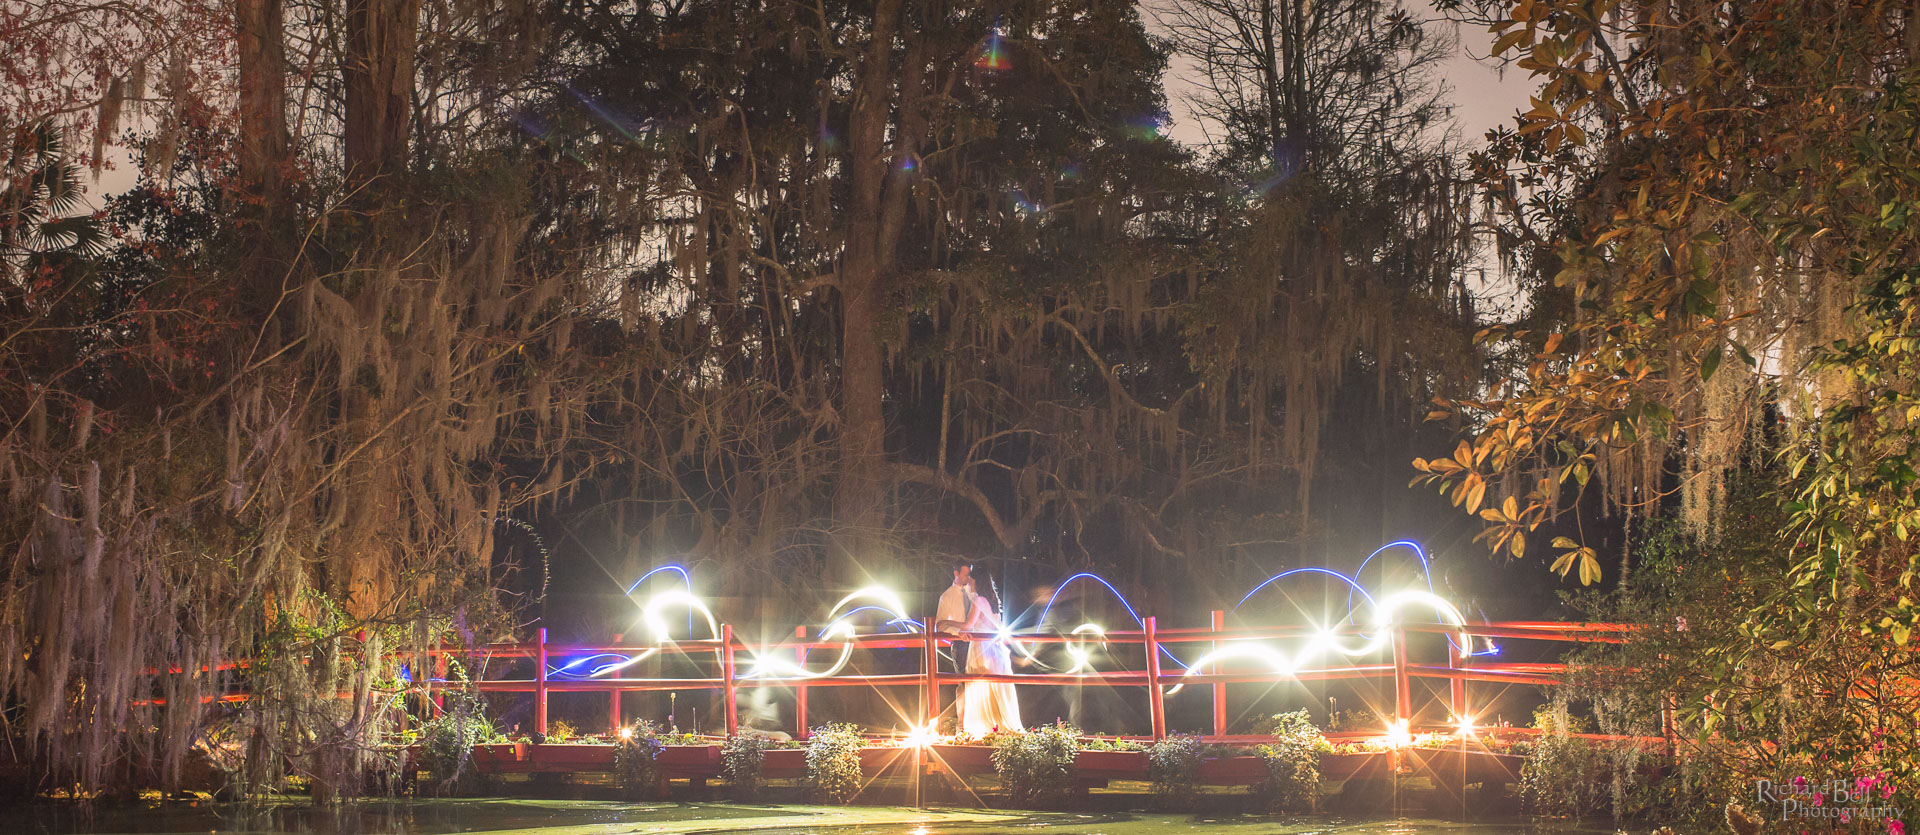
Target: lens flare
{"points": [[1398, 736]]}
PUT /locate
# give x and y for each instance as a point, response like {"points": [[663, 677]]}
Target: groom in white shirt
{"points": [[951, 616]]}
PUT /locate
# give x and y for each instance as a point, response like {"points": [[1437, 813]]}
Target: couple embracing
{"points": [[985, 706]]}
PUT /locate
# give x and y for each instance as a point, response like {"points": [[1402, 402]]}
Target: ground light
{"points": [[922, 736], [1398, 736]]}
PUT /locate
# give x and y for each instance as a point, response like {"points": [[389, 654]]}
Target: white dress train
{"points": [[988, 706]]}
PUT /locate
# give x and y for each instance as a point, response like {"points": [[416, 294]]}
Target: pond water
{"points": [[599, 817]]}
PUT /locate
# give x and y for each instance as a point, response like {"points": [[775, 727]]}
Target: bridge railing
{"points": [[1149, 643]]}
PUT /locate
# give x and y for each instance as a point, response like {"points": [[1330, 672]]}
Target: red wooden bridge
{"points": [[1405, 743], [1153, 681]]}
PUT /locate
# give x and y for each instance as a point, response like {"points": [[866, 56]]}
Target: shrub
{"points": [[560, 730], [741, 759], [1036, 764], [1564, 776], [635, 759], [1293, 763], [1173, 764], [446, 744], [833, 762]]}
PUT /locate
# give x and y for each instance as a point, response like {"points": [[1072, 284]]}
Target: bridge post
{"points": [[1402, 682], [540, 684], [726, 674], [1457, 686], [800, 690], [930, 662], [1220, 689], [438, 694], [1156, 699], [613, 699]]}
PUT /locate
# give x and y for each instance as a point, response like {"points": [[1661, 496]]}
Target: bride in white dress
{"points": [[987, 706]]}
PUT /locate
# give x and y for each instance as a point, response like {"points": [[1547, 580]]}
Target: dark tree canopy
{"points": [[420, 308]]}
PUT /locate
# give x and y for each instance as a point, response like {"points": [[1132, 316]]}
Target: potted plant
{"points": [[1110, 759]]}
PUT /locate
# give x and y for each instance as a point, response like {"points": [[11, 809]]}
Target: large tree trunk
{"points": [[859, 501], [264, 144], [379, 76]]}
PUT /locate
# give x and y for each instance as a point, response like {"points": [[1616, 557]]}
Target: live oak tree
{"points": [[265, 423], [1354, 234], [779, 285]]}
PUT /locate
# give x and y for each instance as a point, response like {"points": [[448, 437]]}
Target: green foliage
{"points": [[741, 760], [1104, 743], [1552, 718], [1036, 765], [636, 757], [833, 762], [446, 742], [1743, 709], [1343, 721], [42, 210], [1725, 183], [1565, 776], [1293, 763], [1173, 765], [560, 730]]}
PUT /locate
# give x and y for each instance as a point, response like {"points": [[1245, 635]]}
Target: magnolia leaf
{"points": [[1510, 40], [1565, 563], [1741, 352], [1710, 363], [1589, 567]]}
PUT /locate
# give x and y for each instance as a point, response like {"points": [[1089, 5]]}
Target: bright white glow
{"points": [[1389, 608], [1397, 734], [1281, 664], [921, 736], [776, 666], [650, 613], [1326, 642], [1082, 658], [1465, 725], [626, 733], [879, 594]]}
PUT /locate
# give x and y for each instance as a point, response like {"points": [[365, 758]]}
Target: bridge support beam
{"points": [[1156, 698], [540, 685], [1219, 690], [726, 675], [1402, 681], [800, 691]]}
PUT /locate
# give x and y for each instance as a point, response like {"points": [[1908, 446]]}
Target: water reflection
{"points": [[587, 817]]}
